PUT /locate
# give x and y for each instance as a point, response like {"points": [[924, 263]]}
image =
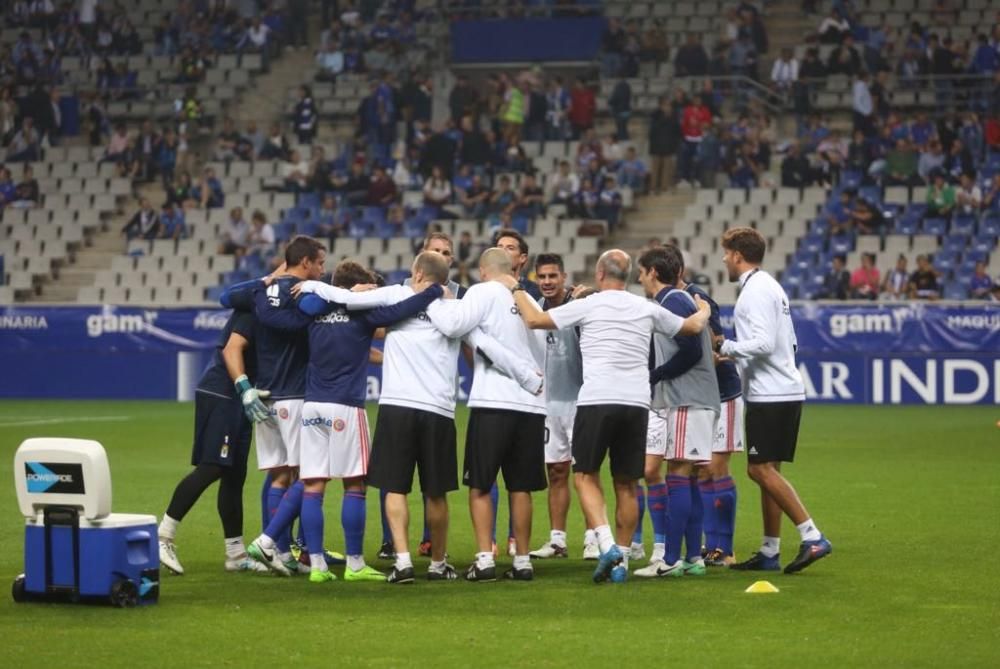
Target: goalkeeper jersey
{"points": [[215, 380]]}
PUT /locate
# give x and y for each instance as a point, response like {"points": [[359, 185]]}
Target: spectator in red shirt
{"points": [[381, 189], [694, 120], [865, 279], [582, 106]]}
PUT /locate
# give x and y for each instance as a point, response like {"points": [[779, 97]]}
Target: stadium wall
{"points": [[894, 353], [527, 40]]}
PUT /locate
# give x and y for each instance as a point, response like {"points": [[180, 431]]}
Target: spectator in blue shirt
{"points": [[208, 192], [172, 223], [632, 171]]}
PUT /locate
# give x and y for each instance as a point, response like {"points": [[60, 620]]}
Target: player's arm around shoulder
{"points": [[531, 313], [696, 322], [456, 318]]}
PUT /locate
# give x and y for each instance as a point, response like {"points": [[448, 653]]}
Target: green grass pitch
{"points": [[910, 498]]}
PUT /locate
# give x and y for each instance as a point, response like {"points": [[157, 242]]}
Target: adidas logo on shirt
{"points": [[753, 451]]}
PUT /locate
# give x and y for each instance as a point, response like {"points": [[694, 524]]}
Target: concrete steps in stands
{"points": [[654, 216], [787, 26]]}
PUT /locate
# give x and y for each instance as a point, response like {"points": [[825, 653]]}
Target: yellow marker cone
{"points": [[761, 588]]}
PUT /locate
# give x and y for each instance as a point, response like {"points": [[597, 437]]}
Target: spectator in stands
{"points": [[382, 190], [354, 185], [261, 238], [26, 143], [897, 282], [609, 203], [796, 172], [530, 199], [901, 165], [664, 142], [8, 189], [26, 194], [305, 116], [991, 201], [968, 196], [924, 281], [862, 104], [172, 221], [844, 59], [557, 104], [463, 100], [330, 62], [654, 43], [581, 108], [866, 217], [632, 172], [865, 279], [694, 121], [295, 173], [439, 150], [981, 284], [257, 39], [208, 191], [190, 68], [475, 198], [275, 146], [743, 167], [503, 200], [837, 282], [236, 235], [227, 141], [612, 48], [563, 185], [940, 197], [785, 71], [328, 223], [691, 59], [986, 59], [620, 105], [144, 224], [833, 28], [958, 161], [513, 110]]}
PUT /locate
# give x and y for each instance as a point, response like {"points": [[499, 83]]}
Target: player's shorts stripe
{"points": [[730, 425], [363, 440]]}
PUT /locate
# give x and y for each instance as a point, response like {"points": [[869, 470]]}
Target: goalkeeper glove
{"points": [[253, 406]]}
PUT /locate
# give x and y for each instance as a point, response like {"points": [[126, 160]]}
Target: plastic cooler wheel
{"points": [[17, 589], [124, 594]]}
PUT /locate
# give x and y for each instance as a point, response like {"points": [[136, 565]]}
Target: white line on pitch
{"points": [[58, 421]]}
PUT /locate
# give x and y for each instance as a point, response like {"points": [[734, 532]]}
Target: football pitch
{"points": [[909, 496]]}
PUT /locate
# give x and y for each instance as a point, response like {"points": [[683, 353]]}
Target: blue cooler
{"points": [[75, 549]]}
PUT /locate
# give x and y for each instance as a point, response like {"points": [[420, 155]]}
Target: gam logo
{"points": [[102, 324]]}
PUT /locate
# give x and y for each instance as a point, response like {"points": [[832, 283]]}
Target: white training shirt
{"points": [[765, 342], [490, 306], [615, 330]]}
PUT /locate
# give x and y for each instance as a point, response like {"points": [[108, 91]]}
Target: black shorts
{"points": [[617, 430], [221, 431], [772, 431], [511, 442], [408, 439]]}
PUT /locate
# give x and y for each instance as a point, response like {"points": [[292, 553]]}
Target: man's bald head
{"points": [[614, 266], [430, 266], [493, 263]]}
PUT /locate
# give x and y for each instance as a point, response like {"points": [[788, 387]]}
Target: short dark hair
{"points": [[665, 262], [748, 242], [349, 274], [437, 234], [550, 259], [514, 234], [302, 248]]}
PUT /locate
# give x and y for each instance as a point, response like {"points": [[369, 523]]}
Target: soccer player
{"points": [[334, 423], [718, 491], [563, 378], [506, 429], [613, 404], [683, 383], [225, 403], [516, 247], [772, 387]]}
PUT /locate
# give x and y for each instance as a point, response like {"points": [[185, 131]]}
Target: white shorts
{"points": [[690, 433], [729, 433], [559, 438], [335, 441], [656, 433], [278, 438]]}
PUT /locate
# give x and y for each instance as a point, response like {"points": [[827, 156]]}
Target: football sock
{"points": [[809, 531], [659, 550], [168, 527], [229, 500], [605, 540], [522, 562], [287, 511], [386, 531], [235, 547], [557, 538], [710, 514], [265, 541], [679, 492], [437, 567], [693, 532], [265, 517], [318, 561], [725, 517], [656, 501], [426, 536], [484, 560], [770, 547], [625, 552], [190, 489], [284, 538], [352, 518], [355, 562], [312, 522], [300, 536], [495, 498], [403, 561], [589, 537], [640, 498]]}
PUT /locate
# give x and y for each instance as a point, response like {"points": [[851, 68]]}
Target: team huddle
{"points": [[563, 379]]}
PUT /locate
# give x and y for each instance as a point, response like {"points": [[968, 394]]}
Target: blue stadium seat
{"points": [[214, 293], [359, 229], [373, 215], [850, 179], [974, 255], [990, 225], [397, 276], [310, 228], [520, 223], [309, 201], [284, 231], [802, 262], [946, 259], [792, 290], [842, 244], [956, 243], [984, 243], [963, 225], [871, 193], [812, 244], [415, 227], [819, 227], [235, 276], [955, 290], [934, 226], [386, 230], [907, 224]]}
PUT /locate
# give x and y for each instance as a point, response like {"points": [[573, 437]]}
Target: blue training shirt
{"points": [[215, 380], [339, 342], [282, 340], [727, 374]]}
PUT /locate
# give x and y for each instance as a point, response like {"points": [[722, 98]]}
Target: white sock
{"points": [[558, 538], [403, 561], [522, 562], [625, 551], [485, 559], [284, 557], [605, 540], [266, 542], [771, 546], [437, 567], [235, 548], [355, 562], [168, 527], [318, 561], [589, 538], [659, 550], [809, 531]]}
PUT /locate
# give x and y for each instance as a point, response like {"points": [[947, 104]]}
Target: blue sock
{"points": [[656, 501], [386, 531], [725, 506], [692, 534], [287, 511], [679, 494], [426, 536], [495, 498], [265, 514], [312, 521], [640, 498], [300, 535], [352, 517], [283, 540], [706, 489]]}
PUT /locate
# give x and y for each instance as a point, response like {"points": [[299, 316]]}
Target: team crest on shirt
{"points": [[224, 451], [283, 413], [339, 425]]}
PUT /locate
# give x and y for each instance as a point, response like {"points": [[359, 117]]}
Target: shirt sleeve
{"points": [[456, 318], [279, 316], [760, 317], [240, 295], [385, 316], [504, 361], [315, 305], [664, 321], [570, 314], [369, 299], [689, 350]]}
